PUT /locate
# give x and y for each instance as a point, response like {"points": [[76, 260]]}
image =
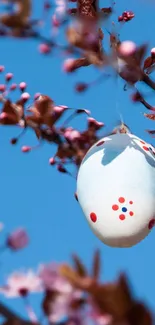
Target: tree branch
{"points": [[11, 315]]}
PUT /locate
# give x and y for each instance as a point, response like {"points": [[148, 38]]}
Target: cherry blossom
{"points": [[17, 239], [127, 47], [21, 284], [49, 275]]}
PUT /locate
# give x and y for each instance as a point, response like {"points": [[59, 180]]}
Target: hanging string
{"points": [[117, 100]]}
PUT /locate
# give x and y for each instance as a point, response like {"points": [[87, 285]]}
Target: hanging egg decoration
{"points": [[116, 189]]}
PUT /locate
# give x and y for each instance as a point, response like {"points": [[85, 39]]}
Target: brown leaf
{"points": [[139, 315], [113, 298], [79, 267], [13, 321], [33, 121], [67, 272], [7, 107], [101, 34], [48, 301], [42, 106], [73, 37], [139, 54], [20, 17], [9, 119], [148, 62], [65, 151], [38, 133], [114, 41], [14, 110], [18, 109], [150, 131], [150, 69], [150, 116], [107, 10], [96, 265], [96, 58], [77, 303], [78, 63], [82, 283]]}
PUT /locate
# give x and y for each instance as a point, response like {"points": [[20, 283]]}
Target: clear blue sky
{"points": [[36, 196]]}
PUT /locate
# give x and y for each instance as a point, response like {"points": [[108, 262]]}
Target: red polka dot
{"points": [[131, 213], [115, 207], [121, 199], [151, 224], [100, 143], [131, 202], [93, 217], [145, 148], [122, 217], [142, 141]]}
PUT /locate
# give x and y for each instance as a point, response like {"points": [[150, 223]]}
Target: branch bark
{"points": [[10, 315]]}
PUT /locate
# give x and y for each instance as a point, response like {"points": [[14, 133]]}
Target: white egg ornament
{"points": [[116, 189]]}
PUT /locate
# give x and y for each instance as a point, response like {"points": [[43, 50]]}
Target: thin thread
{"points": [[117, 103]]}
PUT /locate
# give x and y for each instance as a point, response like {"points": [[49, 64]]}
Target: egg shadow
{"points": [[111, 153], [149, 159]]}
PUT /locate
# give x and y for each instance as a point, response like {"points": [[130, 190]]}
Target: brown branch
{"points": [[148, 81], [11, 315]]}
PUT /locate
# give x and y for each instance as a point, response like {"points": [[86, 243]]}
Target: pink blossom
{"points": [[44, 48], [103, 319], [52, 161], [37, 95], [59, 109], [52, 280], [62, 307], [21, 123], [127, 48], [3, 115], [68, 65], [18, 239], [55, 22], [13, 86], [153, 52], [22, 85], [21, 284], [2, 68], [86, 111], [26, 149], [61, 7], [25, 96], [126, 16], [71, 134], [2, 88], [49, 275], [100, 319], [93, 122], [9, 76]]}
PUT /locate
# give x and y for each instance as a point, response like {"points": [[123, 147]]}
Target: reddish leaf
{"points": [[148, 62], [79, 267], [150, 131], [150, 116], [80, 87], [96, 265]]}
